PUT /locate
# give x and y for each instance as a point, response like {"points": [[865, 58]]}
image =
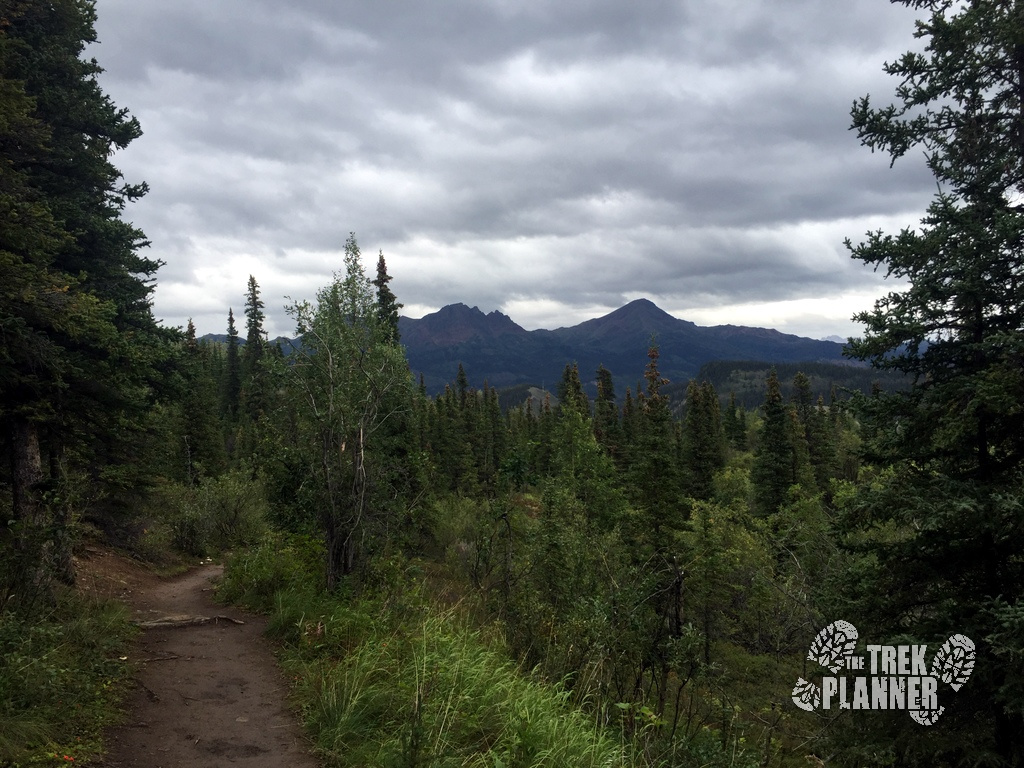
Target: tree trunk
{"points": [[31, 546], [358, 500], [334, 541]]}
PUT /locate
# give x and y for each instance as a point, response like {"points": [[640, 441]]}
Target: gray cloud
{"points": [[533, 154]]}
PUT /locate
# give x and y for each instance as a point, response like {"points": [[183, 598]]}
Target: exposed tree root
{"points": [[184, 621]]}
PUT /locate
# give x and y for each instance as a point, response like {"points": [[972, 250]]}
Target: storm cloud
{"points": [[552, 160]]}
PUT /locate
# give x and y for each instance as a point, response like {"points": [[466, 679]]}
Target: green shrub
{"points": [[218, 514], [280, 562]]}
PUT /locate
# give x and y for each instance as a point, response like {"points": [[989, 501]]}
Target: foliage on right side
{"points": [[939, 534]]}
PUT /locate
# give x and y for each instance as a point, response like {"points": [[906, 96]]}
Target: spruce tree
{"points": [[462, 384], [571, 396], [543, 442], [200, 447], [703, 441], [822, 444], [387, 303], [734, 423], [774, 458], [955, 439], [253, 396], [493, 432], [800, 417], [956, 330], [81, 352], [232, 388], [653, 467], [607, 428], [730, 420], [629, 427], [803, 399]]}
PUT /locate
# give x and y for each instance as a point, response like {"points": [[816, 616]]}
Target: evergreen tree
{"points": [[387, 303], [654, 470], [801, 472], [734, 423], [774, 457], [957, 329], [232, 389], [956, 437], [570, 392], [543, 445], [493, 433], [703, 441], [822, 444], [201, 448], [607, 428], [799, 418], [629, 427], [255, 336], [803, 399], [462, 383], [462, 461], [81, 350], [253, 396], [472, 438]]}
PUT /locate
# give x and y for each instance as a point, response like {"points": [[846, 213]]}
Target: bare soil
{"points": [[207, 694]]}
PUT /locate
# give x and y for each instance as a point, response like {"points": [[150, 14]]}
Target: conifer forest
{"points": [[626, 579]]}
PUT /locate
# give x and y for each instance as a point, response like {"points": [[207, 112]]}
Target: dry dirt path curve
{"points": [[207, 695]]}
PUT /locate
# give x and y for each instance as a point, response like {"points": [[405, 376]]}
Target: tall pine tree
{"points": [[955, 439], [703, 439], [607, 428], [252, 395], [772, 473], [74, 278], [387, 303], [232, 388], [653, 467]]}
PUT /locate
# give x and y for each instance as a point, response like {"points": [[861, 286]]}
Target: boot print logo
{"points": [[896, 676]]}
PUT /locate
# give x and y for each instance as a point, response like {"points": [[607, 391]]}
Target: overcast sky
{"points": [[552, 159]]}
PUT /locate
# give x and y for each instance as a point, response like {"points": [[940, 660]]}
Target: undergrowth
{"points": [[60, 678], [395, 680], [215, 515]]}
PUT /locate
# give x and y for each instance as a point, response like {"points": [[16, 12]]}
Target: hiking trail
{"points": [[208, 691]]}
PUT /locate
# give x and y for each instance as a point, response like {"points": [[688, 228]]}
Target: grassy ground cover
{"points": [[399, 680], [61, 676]]}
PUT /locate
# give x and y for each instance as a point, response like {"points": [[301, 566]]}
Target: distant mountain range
{"points": [[492, 347]]}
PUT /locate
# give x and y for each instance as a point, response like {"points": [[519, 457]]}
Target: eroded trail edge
{"points": [[208, 692]]}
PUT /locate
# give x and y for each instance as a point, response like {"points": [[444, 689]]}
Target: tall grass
{"points": [[396, 680], [435, 694]]}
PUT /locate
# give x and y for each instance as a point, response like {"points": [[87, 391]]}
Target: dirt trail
{"points": [[208, 695]]}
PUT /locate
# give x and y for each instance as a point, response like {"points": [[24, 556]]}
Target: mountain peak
{"points": [[641, 303], [457, 323], [457, 308], [640, 316], [644, 308]]}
